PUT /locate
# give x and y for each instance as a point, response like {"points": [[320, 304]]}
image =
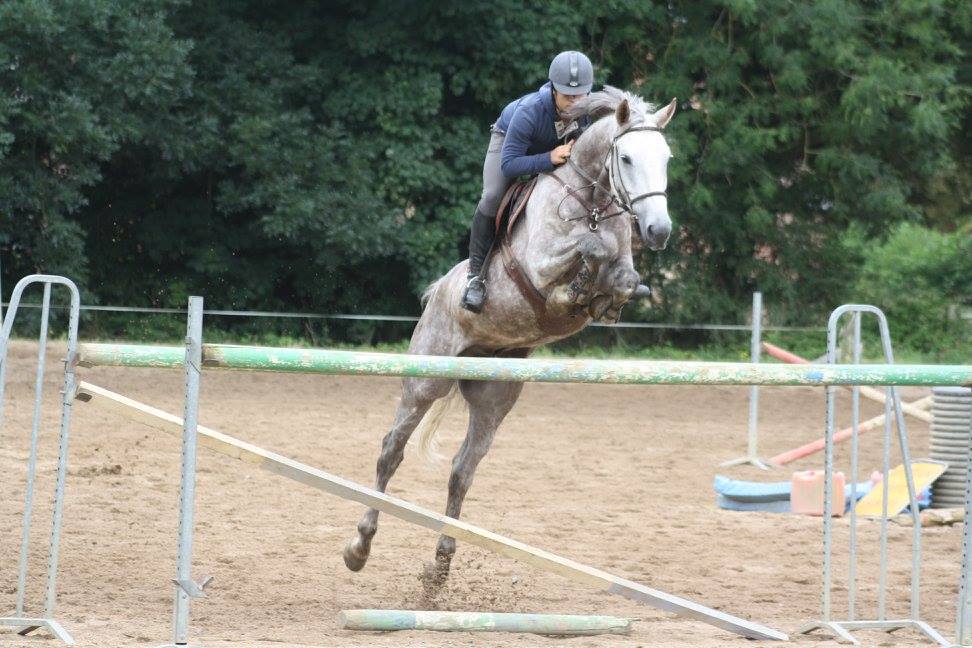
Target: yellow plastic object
{"points": [[923, 471]]}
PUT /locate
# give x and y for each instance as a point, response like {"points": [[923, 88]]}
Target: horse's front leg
{"points": [[489, 403], [620, 283], [418, 395], [571, 274]]}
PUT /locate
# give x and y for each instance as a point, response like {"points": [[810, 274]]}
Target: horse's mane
{"points": [[598, 104]]}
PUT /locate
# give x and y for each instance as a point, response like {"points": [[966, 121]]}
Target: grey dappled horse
{"points": [[575, 247]]}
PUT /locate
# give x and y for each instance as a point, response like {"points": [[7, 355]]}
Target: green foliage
{"points": [[327, 156], [806, 118], [78, 82], [920, 278]]}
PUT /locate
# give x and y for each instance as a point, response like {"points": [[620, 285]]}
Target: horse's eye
{"points": [[626, 159]]}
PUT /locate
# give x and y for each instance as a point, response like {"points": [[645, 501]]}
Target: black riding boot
{"points": [[481, 236]]}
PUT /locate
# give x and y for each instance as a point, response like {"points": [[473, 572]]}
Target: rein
{"points": [[618, 194]]}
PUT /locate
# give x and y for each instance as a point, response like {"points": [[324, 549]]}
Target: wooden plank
{"points": [[401, 509], [923, 473]]}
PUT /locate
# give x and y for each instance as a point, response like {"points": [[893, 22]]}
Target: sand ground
{"points": [[618, 477]]}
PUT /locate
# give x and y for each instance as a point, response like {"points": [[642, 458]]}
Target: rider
{"points": [[531, 136]]}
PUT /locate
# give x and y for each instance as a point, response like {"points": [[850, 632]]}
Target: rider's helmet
{"points": [[572, 73]]}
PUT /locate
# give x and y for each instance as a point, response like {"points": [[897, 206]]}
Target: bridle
{"points": [[618, 194]]}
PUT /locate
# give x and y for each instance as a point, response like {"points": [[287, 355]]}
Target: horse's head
{"points": [[635, 158], [638, 170]]}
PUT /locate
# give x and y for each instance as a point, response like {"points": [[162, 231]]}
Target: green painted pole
{"points": [[547, 624], [644, 372]]}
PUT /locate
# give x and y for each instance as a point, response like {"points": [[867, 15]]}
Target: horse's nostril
{"points": [[651, 230]]}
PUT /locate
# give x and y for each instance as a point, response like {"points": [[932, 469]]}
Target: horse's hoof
{"points": [[612, 315], [354, 558], [599, 306], [435, 574], [641, 292]]}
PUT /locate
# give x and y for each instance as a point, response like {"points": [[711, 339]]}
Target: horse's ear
{"points": [[663, 116], [623, 112]]}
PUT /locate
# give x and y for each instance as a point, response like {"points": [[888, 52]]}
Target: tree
{"points": [[78, 81], [327, 156], [804, 118]]}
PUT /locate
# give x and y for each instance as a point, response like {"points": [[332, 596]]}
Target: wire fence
{"points": [[411, 319]]}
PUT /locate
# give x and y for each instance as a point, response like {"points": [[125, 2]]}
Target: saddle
{"points": [[511, 208], [514, 203]]}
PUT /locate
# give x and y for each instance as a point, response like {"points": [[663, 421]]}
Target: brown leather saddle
{"points": [[513, 204], [511, 209]]}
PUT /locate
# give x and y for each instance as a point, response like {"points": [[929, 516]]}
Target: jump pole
{"points": [[642, 372], [816, 446], [866, 392], [545, 624], [436, 522]]}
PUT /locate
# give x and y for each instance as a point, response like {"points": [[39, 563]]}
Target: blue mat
{"points": [[778, 506], [773, 497], [747, 491]]}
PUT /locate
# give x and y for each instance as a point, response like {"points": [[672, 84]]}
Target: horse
{"points": [[567, 263]]}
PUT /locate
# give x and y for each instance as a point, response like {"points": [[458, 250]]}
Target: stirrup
{"points": [[474, 296]]}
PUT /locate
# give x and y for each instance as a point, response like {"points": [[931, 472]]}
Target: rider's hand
{"points": [[560, 154]]}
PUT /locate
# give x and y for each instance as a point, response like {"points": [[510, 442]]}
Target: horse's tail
{"points": [[428, 447]]}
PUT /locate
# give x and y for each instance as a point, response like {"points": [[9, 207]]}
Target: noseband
{"points": [[618, 194]]}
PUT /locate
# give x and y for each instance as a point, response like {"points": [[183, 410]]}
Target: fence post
{"points": [[20, 619], [963, 623], [754, 355], [185, 587], [892, 407]]}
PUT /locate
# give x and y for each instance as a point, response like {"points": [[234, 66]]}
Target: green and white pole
{"points": [[555, 370], [546, 624]]}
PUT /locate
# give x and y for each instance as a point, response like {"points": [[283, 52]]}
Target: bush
{"points": [[919, 277]]}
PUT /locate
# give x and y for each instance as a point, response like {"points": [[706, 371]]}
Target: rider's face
{"points": [[564, 101]]}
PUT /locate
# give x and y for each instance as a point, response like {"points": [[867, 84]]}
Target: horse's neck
{"points": [[588, 156], [547, 246]]}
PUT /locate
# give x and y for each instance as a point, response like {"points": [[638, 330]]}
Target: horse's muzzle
{"points": [[655, 236]]}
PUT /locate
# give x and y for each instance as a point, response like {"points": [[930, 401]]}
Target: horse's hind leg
{"points": [[418, 395], [489, 403]]}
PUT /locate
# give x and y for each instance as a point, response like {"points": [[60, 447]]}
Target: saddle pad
{"points": [[923, 471]]}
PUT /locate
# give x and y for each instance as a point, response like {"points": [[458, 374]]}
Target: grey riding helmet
{"points": [[572, 73]]}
